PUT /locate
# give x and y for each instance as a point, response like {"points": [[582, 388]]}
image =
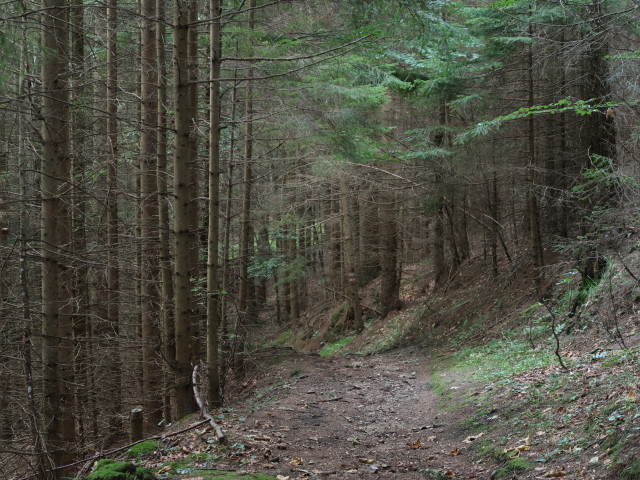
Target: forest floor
{"points": [[410, 415]]}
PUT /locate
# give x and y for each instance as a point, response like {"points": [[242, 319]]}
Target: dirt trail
{"points": [[352, 417]]}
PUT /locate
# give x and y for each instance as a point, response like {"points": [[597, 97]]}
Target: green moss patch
{"points": [[108, 469], [143, 448], [512, 467], [332, 348]]}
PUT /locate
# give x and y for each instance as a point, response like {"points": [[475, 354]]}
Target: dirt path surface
{"points": [[351, 417]]}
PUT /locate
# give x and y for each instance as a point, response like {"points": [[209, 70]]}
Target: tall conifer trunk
{"points": [[150, 302], [185, 403], [389, 278], [57, 323], [113, 229], [245, 307], [532, 200], [166, 275], [351, 277], [214, 392]]}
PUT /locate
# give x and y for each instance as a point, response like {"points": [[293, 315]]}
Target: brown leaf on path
{"points": [[472, 438], [295, 461], [554, 473], [415, 445], [367, 461], [518, 449], [456, 451]]}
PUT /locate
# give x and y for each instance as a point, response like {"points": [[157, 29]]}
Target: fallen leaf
{"points": [[295, 461], [518, 449], [415, 445], [553, 473], [431, 439], [165, 469], [456, 451], [472, 438], [632, 395], [282, 477], [367, 461]]}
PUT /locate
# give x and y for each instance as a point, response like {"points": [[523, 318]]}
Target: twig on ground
{"points": [[555, 334]]}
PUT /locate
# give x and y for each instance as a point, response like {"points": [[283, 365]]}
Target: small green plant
{"points": [[332, 348], [283, 339], [390, 337], [494, 454], [512, 467], [108, 469], [631, 471], [143, 448], [501, 358]]}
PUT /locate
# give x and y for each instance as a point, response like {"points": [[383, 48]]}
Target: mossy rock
{"points": [[142, 448], [108, 469]]}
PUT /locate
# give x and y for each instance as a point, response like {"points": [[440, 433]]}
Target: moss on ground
{"points": [[108, 469], [513, 467], [142, 448], [332, 348]]}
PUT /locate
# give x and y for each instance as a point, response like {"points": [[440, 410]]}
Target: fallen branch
{"points": [[203, 409]]}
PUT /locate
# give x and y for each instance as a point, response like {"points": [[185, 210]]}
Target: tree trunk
{"points": [[389, 281], [166, 296], [150, 302], [195, 167], [351, 277], [532, 201], [57, 323], [214, 392], [244, 301], [439, 268], [113, 229], [369, 238], [185, 403]]}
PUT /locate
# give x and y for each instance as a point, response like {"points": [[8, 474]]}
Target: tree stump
{"points": [[136, 421]]}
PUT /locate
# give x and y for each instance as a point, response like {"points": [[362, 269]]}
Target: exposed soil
{"points": [[348, 417]]}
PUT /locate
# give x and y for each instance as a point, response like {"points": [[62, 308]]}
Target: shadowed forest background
{"points": [[178, 178]]}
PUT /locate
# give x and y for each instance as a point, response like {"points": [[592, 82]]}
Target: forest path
{"points": [[350, 417]]}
